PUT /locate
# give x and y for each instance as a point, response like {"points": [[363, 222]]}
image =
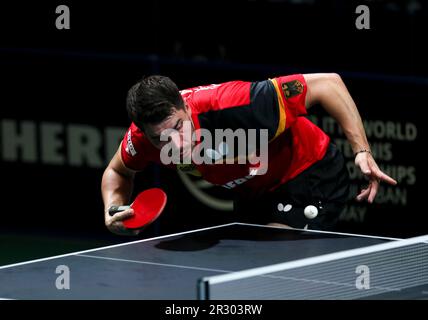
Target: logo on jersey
{"points": [[130, 147], [292, 88], [186, 92], [237, 182]]}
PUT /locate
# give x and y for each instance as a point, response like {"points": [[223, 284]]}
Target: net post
{"points": [[203, 291]]}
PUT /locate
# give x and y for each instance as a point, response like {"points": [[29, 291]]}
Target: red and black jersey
{"points": [[276, 105]]}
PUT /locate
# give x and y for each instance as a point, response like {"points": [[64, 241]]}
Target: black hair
{"points": [[152, 100]]}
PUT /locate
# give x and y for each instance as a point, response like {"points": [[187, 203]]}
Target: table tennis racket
{"points": [[147, 205]]}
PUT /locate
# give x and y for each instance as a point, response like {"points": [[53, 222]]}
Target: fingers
{"points": [[374, 187], [378, 174], [385, 178], [364, 193], [371, 170], [370, 192], [123, 215], [115, 223]]}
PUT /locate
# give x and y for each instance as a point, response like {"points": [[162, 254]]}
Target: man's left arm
{"points": [[328, 90]]}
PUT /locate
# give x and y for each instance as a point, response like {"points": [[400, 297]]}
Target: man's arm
{"points": [[329, 90], [116, 188]]}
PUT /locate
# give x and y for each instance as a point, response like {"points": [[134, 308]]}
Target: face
{"points": [[179, 120]]}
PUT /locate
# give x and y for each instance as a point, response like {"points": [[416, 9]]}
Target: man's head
{"points": [[155, 104]]}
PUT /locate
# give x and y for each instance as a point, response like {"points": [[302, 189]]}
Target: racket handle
{"points": [[115, 209]]}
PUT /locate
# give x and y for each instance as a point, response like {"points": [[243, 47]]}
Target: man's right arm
{"points": [[116, 188]]}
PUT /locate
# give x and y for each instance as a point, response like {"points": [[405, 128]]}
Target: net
{"points": [[389, 270]]}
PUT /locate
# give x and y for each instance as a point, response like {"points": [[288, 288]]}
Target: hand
{"points": [[370, 169], [115, 223]]}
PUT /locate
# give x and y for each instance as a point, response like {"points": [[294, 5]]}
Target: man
{"points": [[301, 167]]}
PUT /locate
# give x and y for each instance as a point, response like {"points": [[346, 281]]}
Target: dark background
{"points": [[80, 77]]}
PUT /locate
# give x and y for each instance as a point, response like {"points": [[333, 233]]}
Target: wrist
{"points": [[362, 151]]}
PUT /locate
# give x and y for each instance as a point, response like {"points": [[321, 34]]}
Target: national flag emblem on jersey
{"points": [[292, 88]]}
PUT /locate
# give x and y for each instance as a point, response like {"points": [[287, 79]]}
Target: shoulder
{"points": [[219, 96], [135, 142]]}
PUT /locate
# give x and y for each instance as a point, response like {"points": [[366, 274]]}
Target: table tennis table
{"points": [[231, 261]]}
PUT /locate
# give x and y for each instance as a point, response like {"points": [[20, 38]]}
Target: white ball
{"points": [[288, 207], [311, 212], [280, 207]]}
